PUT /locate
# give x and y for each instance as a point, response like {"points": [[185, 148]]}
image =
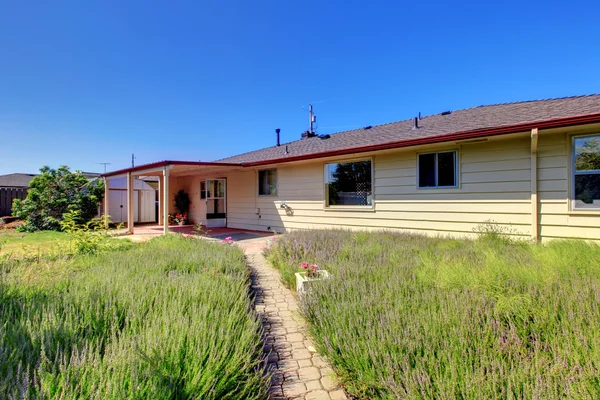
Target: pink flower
{"points": [[228, 238], [304, 265], [314, 267]]}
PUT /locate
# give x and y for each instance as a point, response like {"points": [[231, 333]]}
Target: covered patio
{"points": [[149, 231], [168, 172]]}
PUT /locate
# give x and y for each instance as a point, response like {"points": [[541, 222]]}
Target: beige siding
{"points": [[556, 218], [494, 185]]}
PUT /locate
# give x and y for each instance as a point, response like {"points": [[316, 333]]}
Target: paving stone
{"points": [[309, 373], [317, 395], [328, 382], [294, 389], [301, 354], [338, 395], [297, 370], [305, 363], [318, 361], [313, 385], [295, 337]]}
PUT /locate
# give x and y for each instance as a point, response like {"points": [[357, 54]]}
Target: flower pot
{"points": [[303, 282], [180, 223]]}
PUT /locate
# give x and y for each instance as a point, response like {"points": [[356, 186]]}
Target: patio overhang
{"points": [[176, 168], [164, 170]]}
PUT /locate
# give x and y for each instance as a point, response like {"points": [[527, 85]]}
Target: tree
{"points": [[56, 192]]}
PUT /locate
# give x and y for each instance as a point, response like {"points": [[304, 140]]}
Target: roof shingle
{"points": [[481, 117]]}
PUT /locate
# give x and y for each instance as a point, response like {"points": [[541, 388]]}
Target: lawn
{"points": [[406, 316], [166, 319], [22, 243]]}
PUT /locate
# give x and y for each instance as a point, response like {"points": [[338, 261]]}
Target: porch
{"points": [[170, 173], [149, 231]]}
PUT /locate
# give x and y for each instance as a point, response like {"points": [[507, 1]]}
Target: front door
{"points": [[216, 204]]}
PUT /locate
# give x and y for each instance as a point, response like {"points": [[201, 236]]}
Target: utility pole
{"points": [[105, 164], [132, 160]]}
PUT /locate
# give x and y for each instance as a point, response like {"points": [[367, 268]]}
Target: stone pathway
{"points": [[299, 372]]}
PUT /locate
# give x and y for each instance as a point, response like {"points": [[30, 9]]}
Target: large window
{"points": [[586, 172], [267, 182], [349, 184], [438, 170]]}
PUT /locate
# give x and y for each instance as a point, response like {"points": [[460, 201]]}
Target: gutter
{"points": [[477, 133], [165, 163]]}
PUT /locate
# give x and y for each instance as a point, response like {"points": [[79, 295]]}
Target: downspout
{"points": [[534, 181]]}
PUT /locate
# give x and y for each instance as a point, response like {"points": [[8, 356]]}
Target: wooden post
{"points": [[106, 200], [160, 199], [534, 194], [130, 204], [165, 204]]}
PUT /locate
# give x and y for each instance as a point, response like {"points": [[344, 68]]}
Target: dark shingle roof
{"points": [[16, 180], [481, 117], [19, 180]]}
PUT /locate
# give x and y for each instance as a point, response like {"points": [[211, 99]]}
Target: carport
{"points": [[166, 171]]}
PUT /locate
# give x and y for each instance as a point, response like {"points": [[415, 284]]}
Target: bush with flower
{"points": [[227, 240], [179, 218], [311, 269]]}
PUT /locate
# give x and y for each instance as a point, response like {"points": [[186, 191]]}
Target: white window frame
{"points": [[367, 207], [276, 182], [574, 172], [456, 174]]}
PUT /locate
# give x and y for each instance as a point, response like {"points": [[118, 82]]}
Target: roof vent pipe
{"points": [[277, 132], [419, 115], [416, 124]]}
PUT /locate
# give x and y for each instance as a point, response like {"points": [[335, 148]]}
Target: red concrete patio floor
{"points": [[147, 232]]}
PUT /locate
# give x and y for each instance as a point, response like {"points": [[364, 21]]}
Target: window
{"points": [[586, 172], [349, 184], [267, 182], [203, 189], [438, 170]]}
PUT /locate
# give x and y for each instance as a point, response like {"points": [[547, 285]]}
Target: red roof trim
{"points": [[159, 164], [478, 133]]}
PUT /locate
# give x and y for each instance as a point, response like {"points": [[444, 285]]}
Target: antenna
{"points": [[132, 160], [311, 119], [105, 164]]}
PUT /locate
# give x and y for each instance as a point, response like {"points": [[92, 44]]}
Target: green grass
{"points": [[20, 243], [167, 319], [414, 317]]}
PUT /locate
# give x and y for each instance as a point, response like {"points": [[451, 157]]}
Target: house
{"points": [[531, 167]]}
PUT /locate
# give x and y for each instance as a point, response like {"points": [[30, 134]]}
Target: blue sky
{"points": [[84, 82]]}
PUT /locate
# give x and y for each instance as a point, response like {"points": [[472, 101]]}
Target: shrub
{"points": [[55, 192]]}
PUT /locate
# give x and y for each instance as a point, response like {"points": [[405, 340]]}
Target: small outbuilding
{"points": [[144, 201]]}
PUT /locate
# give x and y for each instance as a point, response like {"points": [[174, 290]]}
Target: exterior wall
{"points": [[494, 186], [494, 181], [554, 185]]}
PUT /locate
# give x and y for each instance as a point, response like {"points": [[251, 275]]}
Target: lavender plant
{"points": [[409, 316], [168, 319]]}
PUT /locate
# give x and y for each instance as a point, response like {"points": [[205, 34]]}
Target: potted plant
{"points": [[310, 273], [179, 219], [182, 204]]}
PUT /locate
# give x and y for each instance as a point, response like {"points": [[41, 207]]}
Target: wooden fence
{"points": [[7, 195]]}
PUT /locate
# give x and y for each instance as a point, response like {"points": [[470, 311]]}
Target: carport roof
{"points": [[153, 168]]}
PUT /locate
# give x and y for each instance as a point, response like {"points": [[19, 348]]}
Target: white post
{"points": [[165, 204], [160, 199], [106, 200], [130, 204]]}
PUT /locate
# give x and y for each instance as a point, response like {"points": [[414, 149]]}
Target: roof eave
{"points": [[165, 163], [473, 134]]}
